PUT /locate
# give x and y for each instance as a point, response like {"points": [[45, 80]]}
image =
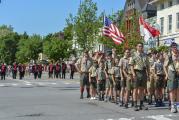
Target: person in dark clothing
{"points": [[35, 70], [20, 67], [40, 69], [14, 70], [23, 70], [60, 71], [50, 70], [72, 70], [64, 66], [3, 71], [57, 70]]}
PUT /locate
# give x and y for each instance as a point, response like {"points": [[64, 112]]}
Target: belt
{"points": [[117, 77], [86, 72], [160, 75], [139, 70]]}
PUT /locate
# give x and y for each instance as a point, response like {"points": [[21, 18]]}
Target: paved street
{"points": [[59, 100]]}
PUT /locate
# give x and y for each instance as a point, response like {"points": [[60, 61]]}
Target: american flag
{"points": [[111, 31]]}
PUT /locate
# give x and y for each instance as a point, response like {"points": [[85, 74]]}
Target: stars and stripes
{"points": [[110, 30]]}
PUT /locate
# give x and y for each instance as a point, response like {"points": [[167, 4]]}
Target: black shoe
{"points": [[157, 104], [102, 98], [116, 102], [81, 97], [132, 104], [99, 98], [126, 106], [142, 107], [122, 104], [136, 108], [88, 96], [150, 102], [161, 104]]}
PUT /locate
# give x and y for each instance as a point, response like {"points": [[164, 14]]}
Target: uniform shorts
{"points": [[123, 83], [118, 83], [141, 79], [93, 83], [159, 81], [173, 82], [84, 80], [109, 82], [101, 85], [150, 83], [129, 83]]}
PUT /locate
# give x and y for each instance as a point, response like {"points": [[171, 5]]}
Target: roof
{"points": [[138, 4], [149, 7]]}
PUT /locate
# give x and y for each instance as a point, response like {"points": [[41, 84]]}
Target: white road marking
{"points": [[153, 117], [2, 85], [125, 119], [14, 84], [53, 83], [28, 84], [158, 117], [67, 83]]}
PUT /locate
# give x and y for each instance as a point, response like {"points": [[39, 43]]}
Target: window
{"points": [[177, 1], [162, 6], [177, 21], [169, 23], [162, 25], [170, 3]]}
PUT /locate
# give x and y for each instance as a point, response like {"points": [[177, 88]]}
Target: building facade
{"points": [[168, 19]]}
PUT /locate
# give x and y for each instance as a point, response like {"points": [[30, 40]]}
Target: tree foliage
{"points": [[57, 49], [8, 46], [29, 49], [86, 24]]}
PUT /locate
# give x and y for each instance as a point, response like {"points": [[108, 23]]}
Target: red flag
{"points": [[154, 32]]}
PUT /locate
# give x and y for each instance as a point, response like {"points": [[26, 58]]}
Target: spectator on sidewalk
{"points": [[64, 67], [35, 70], [57, 70], [50, 70], [3, 71], [40, 69], [20, 68], [72, 69], [14, 70]]}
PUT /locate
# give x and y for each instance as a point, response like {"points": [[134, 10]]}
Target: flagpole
{"points": [[158, 43]]}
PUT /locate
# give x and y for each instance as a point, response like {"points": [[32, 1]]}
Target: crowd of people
{"points": [[135, 78], [57, 70]]}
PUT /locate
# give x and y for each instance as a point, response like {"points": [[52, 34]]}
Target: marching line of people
{"points": [[135, 78], [55, 71]]}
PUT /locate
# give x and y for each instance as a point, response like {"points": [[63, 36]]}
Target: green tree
{"points": [[29, 49], [130, 28], [86, 25], [57, 49], [8, 47]]}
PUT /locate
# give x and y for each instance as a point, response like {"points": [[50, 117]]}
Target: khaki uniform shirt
{"points": [[158, 66], [108, 66], [101, 74], [92, 70], [124, 63], [85, 64], [139, 61], [115, 71], [151, 64], [175, 61]]}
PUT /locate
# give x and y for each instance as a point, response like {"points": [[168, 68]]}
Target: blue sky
{"points": [[46, 16]]}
